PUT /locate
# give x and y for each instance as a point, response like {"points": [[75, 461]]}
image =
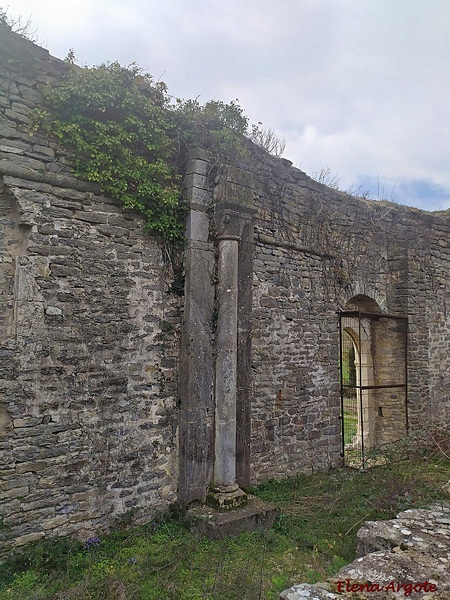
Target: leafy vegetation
{"points": [[314, 536], [117, 122], [124, 133]]}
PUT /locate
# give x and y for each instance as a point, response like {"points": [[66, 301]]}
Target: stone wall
{"points": [[317, 249], [95, 353], [89, 345]]}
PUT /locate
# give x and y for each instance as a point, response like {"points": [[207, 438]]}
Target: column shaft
{"points": [[226, 365]]}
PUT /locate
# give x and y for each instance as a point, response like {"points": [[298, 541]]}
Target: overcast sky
{"points": [[361, 87]]}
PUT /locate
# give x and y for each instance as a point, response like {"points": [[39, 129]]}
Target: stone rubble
{"points": [[414, 548]]}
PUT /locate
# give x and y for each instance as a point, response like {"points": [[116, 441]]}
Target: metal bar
{"points": [[381, 387], [406, 378], [374, 315], [360, 393], [341, 376], [376, 387]]}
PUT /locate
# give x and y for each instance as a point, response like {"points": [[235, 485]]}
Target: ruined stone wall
{"points": [[89, 337], [316, 249]]}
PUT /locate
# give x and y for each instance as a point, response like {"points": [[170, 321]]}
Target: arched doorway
{"points": [[373, 379]]}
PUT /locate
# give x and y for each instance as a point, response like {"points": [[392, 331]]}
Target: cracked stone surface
{"points": [[412, 549]]}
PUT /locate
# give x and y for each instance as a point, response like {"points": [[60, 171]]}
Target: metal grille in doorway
{"points": [[373, 371]]}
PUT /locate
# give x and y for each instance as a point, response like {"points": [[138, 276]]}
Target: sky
{"points": [[357, 88]]}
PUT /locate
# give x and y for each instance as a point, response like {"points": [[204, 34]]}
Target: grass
{"points": [[350, 426], [314, 536]]}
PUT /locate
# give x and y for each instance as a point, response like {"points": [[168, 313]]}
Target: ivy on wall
{"points": [[124, 132], [115, 121]]}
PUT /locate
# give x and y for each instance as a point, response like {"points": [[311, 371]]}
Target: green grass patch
{"points": [[313, 538], [350, 426]]}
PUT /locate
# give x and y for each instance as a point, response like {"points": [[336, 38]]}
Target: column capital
{"points": [[229, 221]]}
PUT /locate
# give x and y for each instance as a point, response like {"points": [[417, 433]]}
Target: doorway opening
{"points": [[373, 373]]}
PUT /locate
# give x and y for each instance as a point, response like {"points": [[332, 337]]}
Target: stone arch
{"points": [[363, 303], [366, 297], [379, 340], [360, 332]]}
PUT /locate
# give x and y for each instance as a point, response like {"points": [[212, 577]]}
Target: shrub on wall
{"points": [[124, 133], [117, 124]]}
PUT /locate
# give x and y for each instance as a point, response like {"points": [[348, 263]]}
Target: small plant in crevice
{"points": [[268, 140], [215, 314], [17, 25], [177, 285]]}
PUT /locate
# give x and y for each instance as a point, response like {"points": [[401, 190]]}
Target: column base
{"points": [[226, 497], [256, 515]]}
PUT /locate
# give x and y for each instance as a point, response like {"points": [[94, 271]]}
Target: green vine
{"points": [[116, 122], [124, 133]]}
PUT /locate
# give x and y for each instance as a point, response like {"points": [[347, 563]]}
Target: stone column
{"points": [[215, 361], [233, 214], [226, 367]]}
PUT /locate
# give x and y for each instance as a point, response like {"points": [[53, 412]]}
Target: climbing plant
{"points": [[215, 126], [117, 123], [125, 133]]}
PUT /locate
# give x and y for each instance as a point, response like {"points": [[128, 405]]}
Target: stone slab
{"points": [[256, 515], [307, 591], [404, 552]]}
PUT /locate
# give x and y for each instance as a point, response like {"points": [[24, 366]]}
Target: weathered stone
{"points": [[306, 591], [11, 149], [30, 537], [30, 94], [8, 130], [414, 561], [17, 116], [53, 311], [226, 365]]}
